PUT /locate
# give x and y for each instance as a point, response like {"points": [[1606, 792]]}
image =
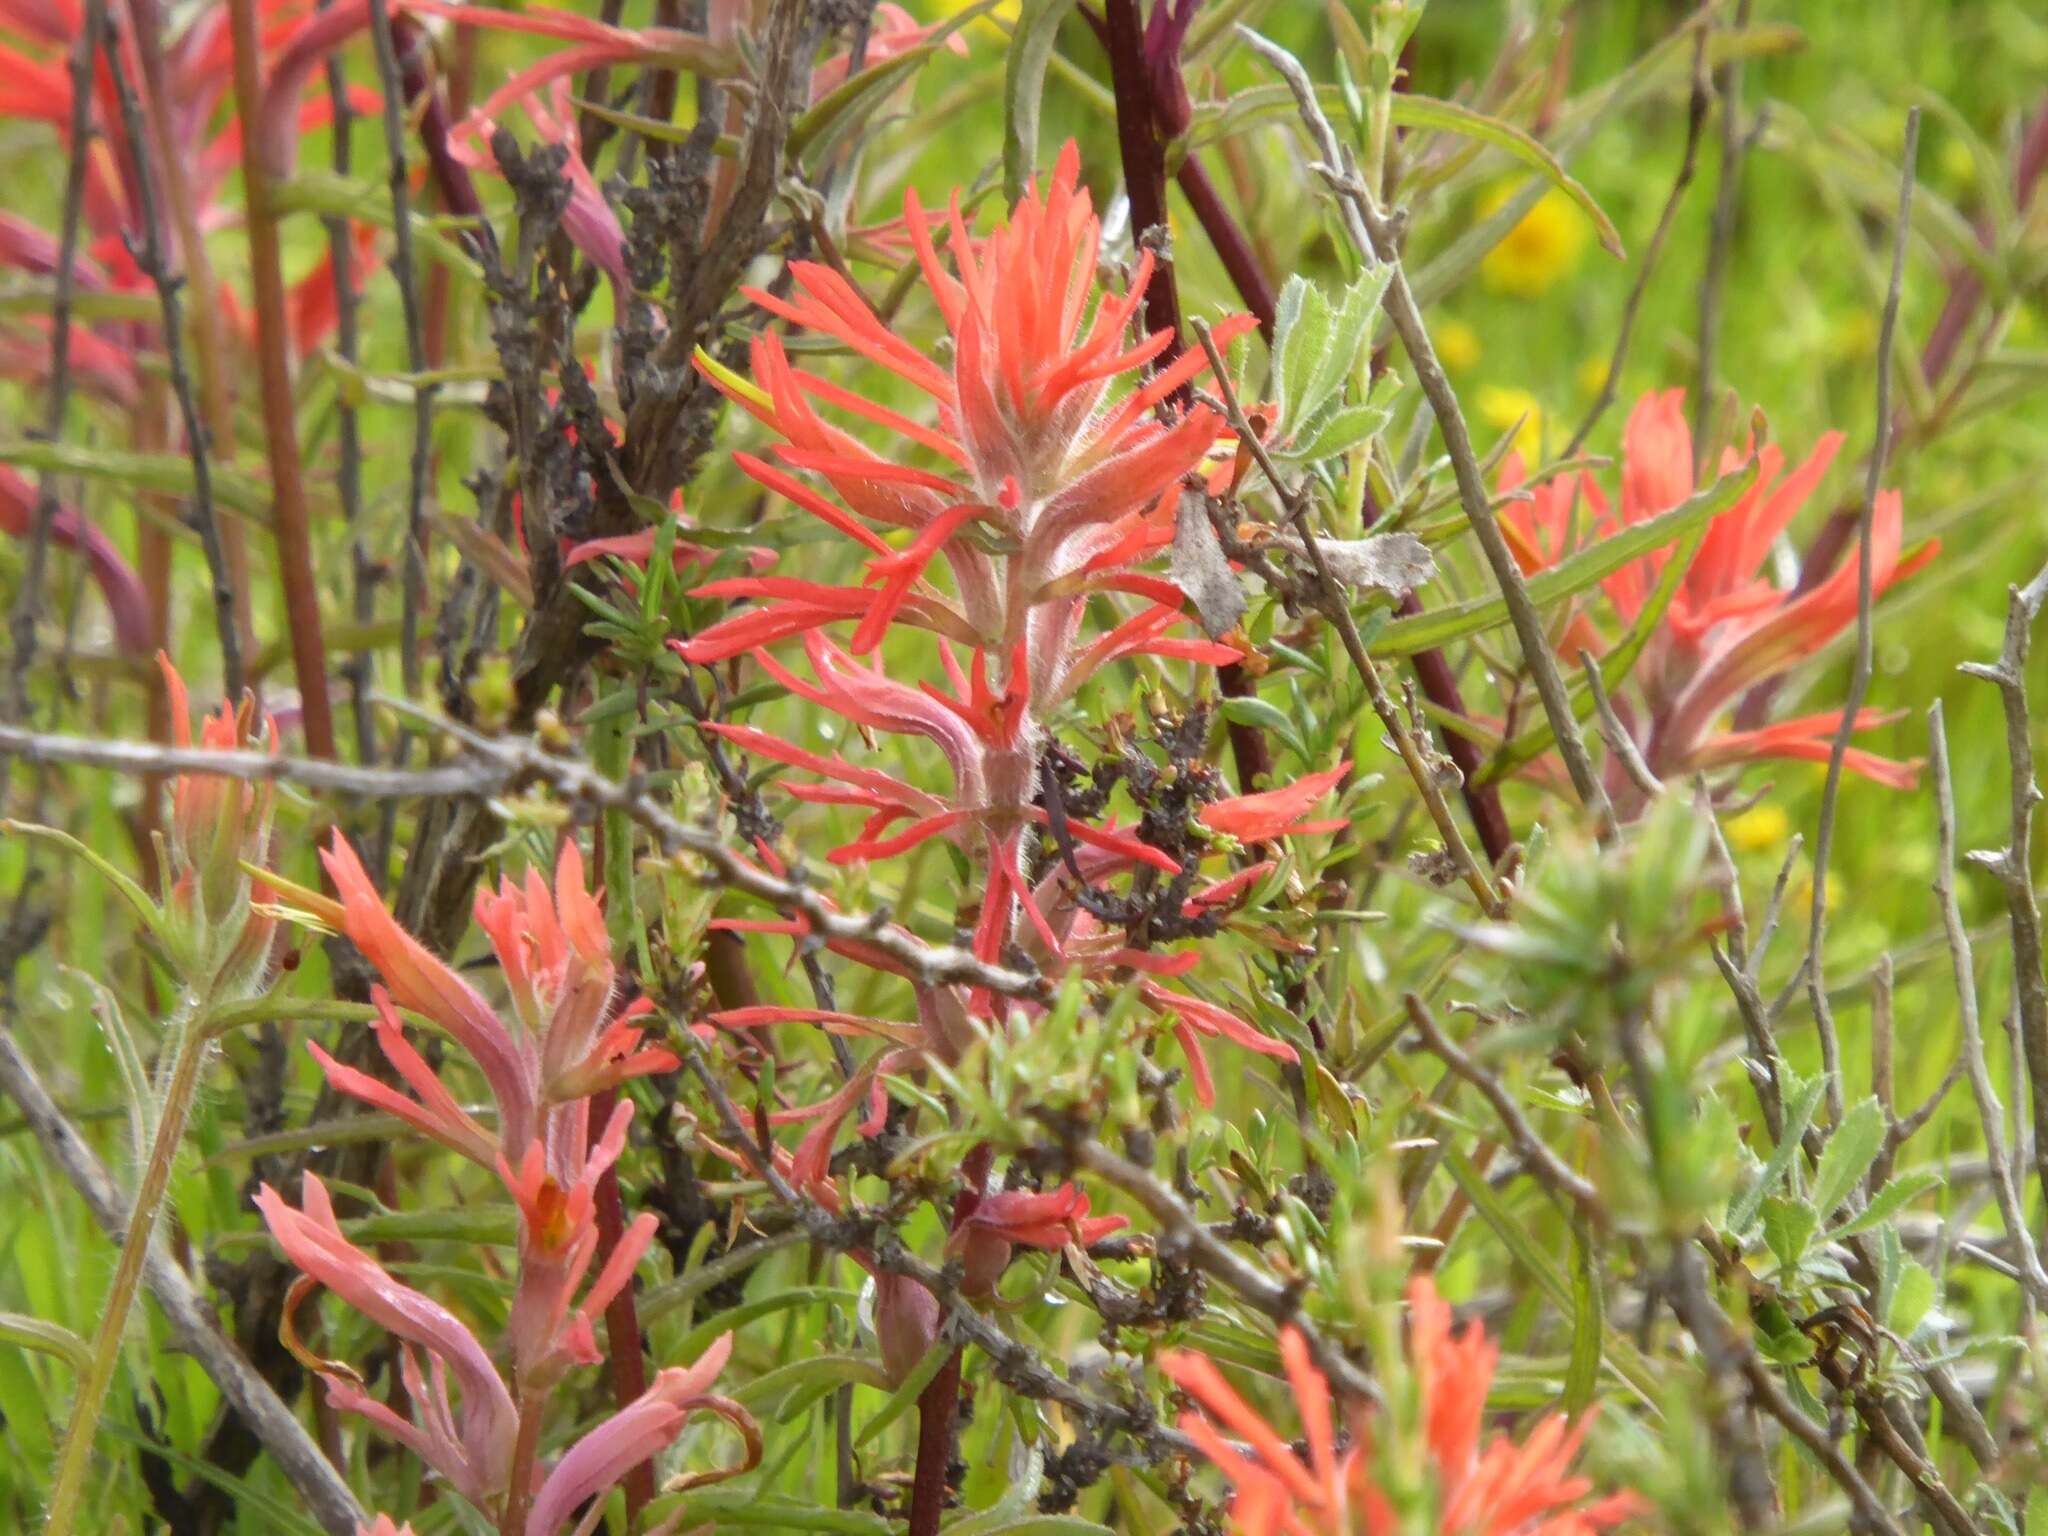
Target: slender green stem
{"points": [[191, 1037]]}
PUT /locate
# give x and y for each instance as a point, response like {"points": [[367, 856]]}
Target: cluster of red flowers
{"points": [[1728, 629], [570, 1039], [1052, 494], [1481, 1486]]}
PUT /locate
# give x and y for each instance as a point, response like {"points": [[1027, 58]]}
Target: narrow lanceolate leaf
{"points": [[1615, 666], [1031, 44], [920, 1377], [1428, 113], [1434, 114], [1626, 1360], [1848, 1156], [1569, 577], [1886, 1204], [167, 474], [1799, 1108], [45, 1338], [1589, 1323]]}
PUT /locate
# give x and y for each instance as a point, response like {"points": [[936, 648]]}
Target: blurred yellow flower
{"points": [[1592, 375], [1957, 163], [1759, 829], [1457, 346], [1500, 408], [939, 9], [1544, 247]]}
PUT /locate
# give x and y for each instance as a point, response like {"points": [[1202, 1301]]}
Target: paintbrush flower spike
{"points": [[1728, 630], [1480, 1485]]}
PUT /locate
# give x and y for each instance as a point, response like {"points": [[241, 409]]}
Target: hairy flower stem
{"points": [[189, 1037], [290, 526], [525, 1451]]}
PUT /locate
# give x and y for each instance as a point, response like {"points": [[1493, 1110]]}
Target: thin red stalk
{"points": [[1144, 162], [299, 591], [1440, 686], [1233, 246], [621, 1317], [937, 1408]]}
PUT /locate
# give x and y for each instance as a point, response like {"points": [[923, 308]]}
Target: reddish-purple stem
{"points": [[1233, 248], [937, 1407], [622, 1316]]}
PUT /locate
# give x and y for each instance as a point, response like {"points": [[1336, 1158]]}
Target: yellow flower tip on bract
{"points": [[1759, 829], [1501, 408], [1457, 346], [1543, 247]]}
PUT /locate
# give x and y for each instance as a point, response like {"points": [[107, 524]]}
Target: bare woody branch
{"points": [[1859, 679], [1377, 236], [494, 767]]}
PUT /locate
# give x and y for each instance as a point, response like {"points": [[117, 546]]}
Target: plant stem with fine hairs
{"points": [[290, 523], [189, 1038]]}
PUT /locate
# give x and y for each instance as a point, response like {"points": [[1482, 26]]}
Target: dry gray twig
{"points": [[1990, 1108], [1377, 236], [491, 767], [1859, 678], [2012, 865]]}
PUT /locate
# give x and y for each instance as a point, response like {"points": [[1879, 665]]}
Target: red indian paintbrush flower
{"points": [[471, 1440], [1482, 1487], [569, 1042], [1728, 628], [216, 921], [567, 1039]]}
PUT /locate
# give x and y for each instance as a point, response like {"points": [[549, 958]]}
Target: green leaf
{"points": [[1337, 433], [1570, 576], [1031, 44], [1789, 1226], [45, 1338], [1266, 717], [928, 1366], [701, 1337], [1429, 113], [746, 1507], [249, 1500], [656, 131], [1589, 1322], [1887, 1203], [1615, 666], [136, 897], [1439, 116], [782, 1386], [1799, 1108], [1302, 333], [1849, 1153], [1621, 1354], [167, 474], [1912, 1296]]}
